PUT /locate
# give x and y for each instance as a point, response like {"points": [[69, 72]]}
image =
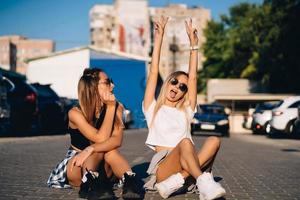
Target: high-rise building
{"points": [[123, 26], [128, 26], [15, 50], [103, 31]]}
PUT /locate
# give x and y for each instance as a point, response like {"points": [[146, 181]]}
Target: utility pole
{"points": [[174, 48]]}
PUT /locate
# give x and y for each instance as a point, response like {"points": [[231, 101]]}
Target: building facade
{"points": [[123, 26], [128, 26], [15, 49], [63, 70]]}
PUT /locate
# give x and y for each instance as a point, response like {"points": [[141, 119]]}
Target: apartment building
{"points": [[123, 26], [15, 49]]}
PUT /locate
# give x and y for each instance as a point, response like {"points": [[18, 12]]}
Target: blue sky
{"points": [[67, 21]]}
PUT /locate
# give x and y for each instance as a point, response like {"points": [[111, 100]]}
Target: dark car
{"points": [[211, 117], [5, 86], [23, 103], [50, 110]]}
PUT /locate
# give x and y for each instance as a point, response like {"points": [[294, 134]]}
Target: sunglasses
{"points": [[182, 86], [107, 82]]}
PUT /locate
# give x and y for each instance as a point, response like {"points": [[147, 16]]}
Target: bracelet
{"points": [[194, 48]]}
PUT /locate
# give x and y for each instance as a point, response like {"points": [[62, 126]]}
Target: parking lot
{"points": [[248, 166]]}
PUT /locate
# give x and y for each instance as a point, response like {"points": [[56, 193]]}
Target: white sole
{"points": [[221, 194]]}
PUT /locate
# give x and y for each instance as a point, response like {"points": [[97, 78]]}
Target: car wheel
{"points": [[268, 128], [225, 133], [290, 128]]}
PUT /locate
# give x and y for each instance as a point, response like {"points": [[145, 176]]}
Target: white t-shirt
{"points": [[169, 127]]}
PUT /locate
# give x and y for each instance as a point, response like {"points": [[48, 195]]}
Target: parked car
{"points": [[127, 117], [23, 103], [211, 117], [284, 116], [297, 123], [5, 86], [68, 103], [50, 110], [262, 116], [248, 119]]}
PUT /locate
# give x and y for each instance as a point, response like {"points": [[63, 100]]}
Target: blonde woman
{"points": [[168, 119], [96, 131]]}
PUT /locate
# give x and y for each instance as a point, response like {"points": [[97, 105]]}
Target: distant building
{"points": [[123, 26], [127, 26], [15, 49]]}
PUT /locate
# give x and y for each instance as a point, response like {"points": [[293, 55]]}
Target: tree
{"points": [[259, 42]]}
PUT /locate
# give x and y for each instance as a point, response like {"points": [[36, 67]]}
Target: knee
{"points": [[186, 144], [185, 141], [110, 154], [214, 141]]}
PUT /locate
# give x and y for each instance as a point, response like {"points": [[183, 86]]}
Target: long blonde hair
{"points": [[162, 95]]}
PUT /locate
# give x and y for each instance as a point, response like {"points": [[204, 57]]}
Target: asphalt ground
{"points": [[248, 166]]}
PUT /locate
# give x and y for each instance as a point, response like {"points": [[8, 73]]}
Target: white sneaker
{"points": [[208, 188], [170, 185]]}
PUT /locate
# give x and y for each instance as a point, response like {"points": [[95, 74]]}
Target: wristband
{"points": [[194, 48]]}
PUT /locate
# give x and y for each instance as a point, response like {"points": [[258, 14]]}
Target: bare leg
{"points": [[91, 163], [172, 164], [208, 152], [182, 157], [117, 162]]}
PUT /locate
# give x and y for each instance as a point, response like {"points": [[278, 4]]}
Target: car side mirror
{"points": [[10, 83]]}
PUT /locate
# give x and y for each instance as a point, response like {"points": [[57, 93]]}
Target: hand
{"points": [[191, 32], [79, 159], [159, 26], [108, 98]]}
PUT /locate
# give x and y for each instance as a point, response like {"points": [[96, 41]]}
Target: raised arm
{"points": [[159, 27], [78, 120], [193, 63]]}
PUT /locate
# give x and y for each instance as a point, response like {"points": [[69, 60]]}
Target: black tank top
{"points": [[78, 140]]}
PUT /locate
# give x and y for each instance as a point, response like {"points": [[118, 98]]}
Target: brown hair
{"points": [[88, 95]]}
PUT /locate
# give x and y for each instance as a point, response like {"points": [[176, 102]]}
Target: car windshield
{"points": [[268, 105], [45, 91], [211, 109]]}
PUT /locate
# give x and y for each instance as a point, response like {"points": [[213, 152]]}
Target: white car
{"points": [[126, 117], [248, 119], [284, 116], [262, 116]]}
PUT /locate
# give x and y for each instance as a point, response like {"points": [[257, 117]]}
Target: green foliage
{"points": [[259, 42]]}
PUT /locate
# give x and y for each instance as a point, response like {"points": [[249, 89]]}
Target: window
{"points": [[295, 105]]}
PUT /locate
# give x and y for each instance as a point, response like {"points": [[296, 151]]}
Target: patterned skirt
{"points": [[58, 177]]}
